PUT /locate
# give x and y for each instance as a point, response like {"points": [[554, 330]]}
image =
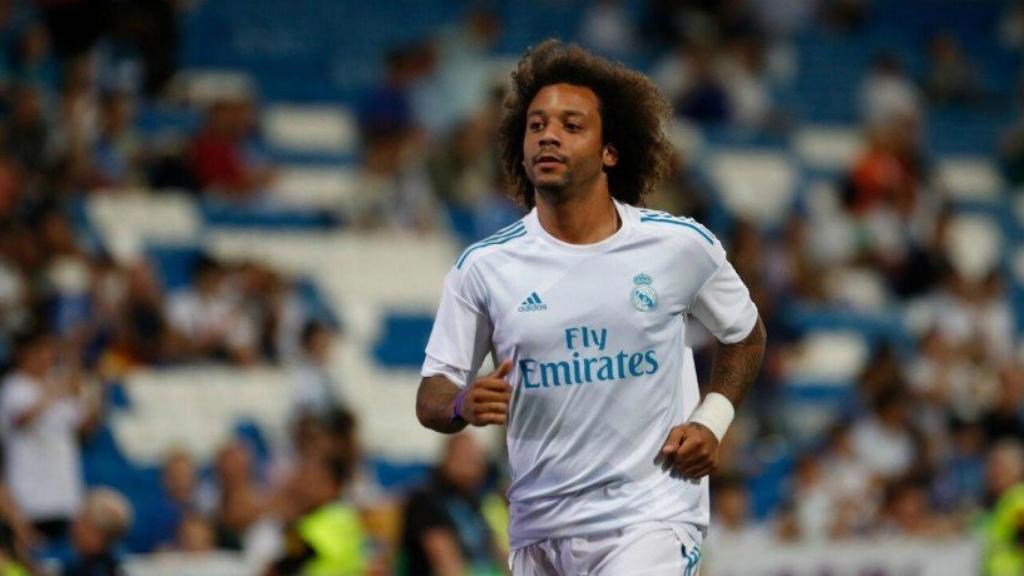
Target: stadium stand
{"points": [[860, 301]]}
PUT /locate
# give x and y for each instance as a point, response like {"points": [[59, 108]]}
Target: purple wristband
{"points": [[457, 409]]}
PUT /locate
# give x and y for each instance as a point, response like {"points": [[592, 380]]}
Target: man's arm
{"points": [[483, 402], [435, 404], [735, 366], [692, 448]]}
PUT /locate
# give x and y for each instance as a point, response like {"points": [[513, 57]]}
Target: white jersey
{"points": [[601, 372]]}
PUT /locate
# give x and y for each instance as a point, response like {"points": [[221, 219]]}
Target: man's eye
{"points": [[534, 126], [573, 127]]}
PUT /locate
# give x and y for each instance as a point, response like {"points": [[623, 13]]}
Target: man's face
{"points": [[562, 147]]}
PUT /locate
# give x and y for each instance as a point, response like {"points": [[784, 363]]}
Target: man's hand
{"points": [[691, 450], [486, 401]]}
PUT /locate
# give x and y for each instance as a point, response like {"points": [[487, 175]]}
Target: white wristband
{"points": [[716, 412]]}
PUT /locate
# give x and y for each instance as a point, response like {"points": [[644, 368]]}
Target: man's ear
{"points": [[609, 156]]}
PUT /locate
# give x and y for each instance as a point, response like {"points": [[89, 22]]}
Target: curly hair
{"points": [[632, 111]]}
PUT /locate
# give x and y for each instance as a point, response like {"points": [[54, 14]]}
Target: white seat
{"points": [[831, 148], [196, 408], [758, 186], [969, 178], [128, 219], [315, 187], [202, 87], [859, 288], [973, 245], [827, 357], [329, 129]]}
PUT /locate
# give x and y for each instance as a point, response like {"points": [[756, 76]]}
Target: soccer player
{"points": [[584, 306]]}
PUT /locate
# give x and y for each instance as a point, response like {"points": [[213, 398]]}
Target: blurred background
{"points": [[225, 225]]}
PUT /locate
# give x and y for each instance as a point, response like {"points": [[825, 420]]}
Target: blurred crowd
{"points": [[928, 443]]}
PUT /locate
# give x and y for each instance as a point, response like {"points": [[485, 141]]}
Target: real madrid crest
{"points": [[644, 297]]}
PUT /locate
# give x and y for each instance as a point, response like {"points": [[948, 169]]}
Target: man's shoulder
{"points": [[500, 241], [666, 225]]}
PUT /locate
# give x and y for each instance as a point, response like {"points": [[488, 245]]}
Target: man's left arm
{"points": [[723, 305], [692, 448]]}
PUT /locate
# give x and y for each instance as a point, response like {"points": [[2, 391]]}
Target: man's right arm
{"points": [[435, 404], [484, 402]]}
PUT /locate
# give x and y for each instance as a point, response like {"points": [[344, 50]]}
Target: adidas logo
{"points": [[532, 304]]}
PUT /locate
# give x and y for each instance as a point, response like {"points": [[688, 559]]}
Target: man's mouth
{"points": [[548, 159]]}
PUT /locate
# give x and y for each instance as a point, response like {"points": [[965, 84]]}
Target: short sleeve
{"points": [[724, 307], [461, 336]]}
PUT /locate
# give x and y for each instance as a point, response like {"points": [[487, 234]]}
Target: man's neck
{"points": [[580, 219]]}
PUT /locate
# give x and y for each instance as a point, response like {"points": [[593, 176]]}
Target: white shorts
{"points": [[648, 549]]}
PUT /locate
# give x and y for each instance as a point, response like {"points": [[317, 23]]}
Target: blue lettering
{"points": [[553, 368], [651, 361], [526, 368], [607, 369], [621, 357], [570, 336], [586, 368], [634, 364]]}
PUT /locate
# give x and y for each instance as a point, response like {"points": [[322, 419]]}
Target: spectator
{"points": [[16, 537], [218, 154], [744, 75], [959, 484], [1006, 419], [34, 62], [316, 390], [887, 94], [445, 531], [951, 75], [195, 535], [886, 177], [117, 152], [906, 512], [692, 83], [812, 506], [238, 501], [27, 134], [853, 489], [326, 537], [105, 517], [388, 108], [212, 318], [607, 28], [1004, 527], [42, 413], [885, 440], [180, 497], [732, 518]]}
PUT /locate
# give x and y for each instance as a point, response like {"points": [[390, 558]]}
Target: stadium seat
{"points": [[969, 178], [200, 88], [325, 188], [755, 185], [127, 221], [860, 288], [827, 148], [974, 245], [828, 356], [310, 129]]}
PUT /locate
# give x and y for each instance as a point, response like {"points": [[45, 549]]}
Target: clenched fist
{"points": [[691, 450], [486, 400]]}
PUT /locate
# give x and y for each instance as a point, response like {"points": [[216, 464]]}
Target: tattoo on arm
{"points": [[735, 366], [435, 401]]}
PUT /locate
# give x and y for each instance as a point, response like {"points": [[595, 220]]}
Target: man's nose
{"points": [[549, 138]]}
